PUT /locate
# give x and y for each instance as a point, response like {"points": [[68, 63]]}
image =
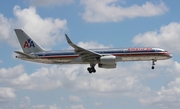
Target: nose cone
{"points": [[169, 55]]}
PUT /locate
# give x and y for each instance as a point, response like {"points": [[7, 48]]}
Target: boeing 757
{"points": [[104, 58]]}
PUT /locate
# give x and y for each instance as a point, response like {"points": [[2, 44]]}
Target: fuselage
{"points": [[128, 54]]}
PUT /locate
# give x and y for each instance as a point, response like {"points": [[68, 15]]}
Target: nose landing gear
{"points": [[152, 67], [153, 63]]}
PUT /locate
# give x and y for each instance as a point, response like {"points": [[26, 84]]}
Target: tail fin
{"points": [[28, 45]]}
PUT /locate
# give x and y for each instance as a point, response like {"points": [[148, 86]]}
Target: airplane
{"points": [[104, 58]]}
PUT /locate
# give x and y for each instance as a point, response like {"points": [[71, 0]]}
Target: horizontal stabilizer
{"points": [[25, 55]]}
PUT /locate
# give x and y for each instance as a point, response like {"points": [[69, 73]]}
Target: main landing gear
{"points": [[153, 63], [91, 69]]}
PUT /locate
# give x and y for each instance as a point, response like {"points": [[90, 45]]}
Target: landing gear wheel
{"points": [[91, 69], [152, 67]]}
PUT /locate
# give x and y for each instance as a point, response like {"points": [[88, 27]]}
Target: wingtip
{"points": [[67, 38]]}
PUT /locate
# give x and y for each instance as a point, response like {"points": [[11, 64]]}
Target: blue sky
{"points": [[90, 24]]}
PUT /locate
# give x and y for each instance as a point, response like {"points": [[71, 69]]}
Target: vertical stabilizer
{"points": [[28, 45]]}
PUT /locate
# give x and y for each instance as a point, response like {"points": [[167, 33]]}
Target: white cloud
{"points": [[73, 98], [93, 45], [45, 75], [173, 69], [5, 26], [50, 2], [167, 37], [103, 83], [48, 31], [165, 98], [42, 79], [168, 96], [54, 77], [16, 77], [25, 103], [21, 81], [6, 94], [108, 11], [11, 72]]}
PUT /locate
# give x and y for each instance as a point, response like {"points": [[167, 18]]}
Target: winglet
{"points": [[68, 40]]}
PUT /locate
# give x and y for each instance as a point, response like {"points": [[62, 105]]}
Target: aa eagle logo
{"points": [[29, 43]]}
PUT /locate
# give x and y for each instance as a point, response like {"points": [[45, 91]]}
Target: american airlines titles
{"points": [[139, 49]]}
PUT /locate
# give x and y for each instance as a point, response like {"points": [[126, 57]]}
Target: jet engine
{"points": [[108, 66], [108, 59], [107, 62]]}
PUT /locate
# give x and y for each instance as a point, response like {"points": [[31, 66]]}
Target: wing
{"points": [[87, 55]]}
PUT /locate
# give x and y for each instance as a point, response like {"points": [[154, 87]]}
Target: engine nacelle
{"points": [[108, 66], [108, 59]]}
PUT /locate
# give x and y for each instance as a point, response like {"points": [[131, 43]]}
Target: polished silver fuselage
{"points": [[70, 56]]}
